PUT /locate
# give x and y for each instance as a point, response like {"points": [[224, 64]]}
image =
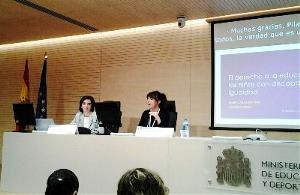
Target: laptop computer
{"points": [[42, 124]]}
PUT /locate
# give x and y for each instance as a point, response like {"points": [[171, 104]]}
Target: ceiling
{"points": [[23, 20]]}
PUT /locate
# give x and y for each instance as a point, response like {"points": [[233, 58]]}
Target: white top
{"points": [[86, 122]]}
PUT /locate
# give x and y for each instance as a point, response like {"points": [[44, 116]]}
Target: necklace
{"points": [[149, 121]]}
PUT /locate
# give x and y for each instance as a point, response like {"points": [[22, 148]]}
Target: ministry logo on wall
{"points": [[233, 168]]}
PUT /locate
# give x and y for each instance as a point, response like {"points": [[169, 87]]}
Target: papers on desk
{"points": [[62, 129], [121, 134], [154, 132], [226, 138], [40, 131]]}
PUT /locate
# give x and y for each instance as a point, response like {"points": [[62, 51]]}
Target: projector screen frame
{"points": [[212, 125]]}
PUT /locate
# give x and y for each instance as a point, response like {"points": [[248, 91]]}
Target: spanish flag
{"points": [[24, 96]]}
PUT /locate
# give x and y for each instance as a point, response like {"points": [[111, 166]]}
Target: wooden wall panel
{"points": [[120, 66]]}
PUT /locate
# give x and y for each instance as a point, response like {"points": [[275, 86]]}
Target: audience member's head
{"points": [[62, 182], [141, 181]]}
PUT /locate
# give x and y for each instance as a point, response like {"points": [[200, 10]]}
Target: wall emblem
{"points": [[233, 169]]}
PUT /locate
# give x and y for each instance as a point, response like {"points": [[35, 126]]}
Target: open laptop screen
{"points": [[42, 124]]}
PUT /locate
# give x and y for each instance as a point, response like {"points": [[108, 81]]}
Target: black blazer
{"points": [[164, 117]]}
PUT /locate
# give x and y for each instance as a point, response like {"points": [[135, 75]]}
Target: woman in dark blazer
{"points": [[156, 115]]}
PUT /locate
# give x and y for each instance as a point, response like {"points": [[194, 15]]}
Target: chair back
{"points": [[171, 108], [173, 119], [109, 113]]}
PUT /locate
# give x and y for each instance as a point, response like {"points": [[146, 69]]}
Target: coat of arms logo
{"points": [[234, 168]]}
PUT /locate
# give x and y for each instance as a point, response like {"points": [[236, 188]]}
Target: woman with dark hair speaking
{"points": [[87, 117], [156, 115]]}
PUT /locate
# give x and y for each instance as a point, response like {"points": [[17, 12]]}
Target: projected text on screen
{"points": [[257, 73]]}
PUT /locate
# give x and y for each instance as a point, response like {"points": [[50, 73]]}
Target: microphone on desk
{"points": [[257, 136]]}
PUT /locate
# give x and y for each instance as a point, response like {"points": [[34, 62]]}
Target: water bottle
{"points": [[185, 128]]}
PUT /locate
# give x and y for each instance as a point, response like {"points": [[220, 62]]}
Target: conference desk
{"points": [[188, 166]]}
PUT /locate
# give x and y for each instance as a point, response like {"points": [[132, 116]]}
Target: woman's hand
{"points": [[156, 116]]}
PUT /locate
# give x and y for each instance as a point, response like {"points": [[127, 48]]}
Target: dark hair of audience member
{"points": [[141, 181], [62, 182]]}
